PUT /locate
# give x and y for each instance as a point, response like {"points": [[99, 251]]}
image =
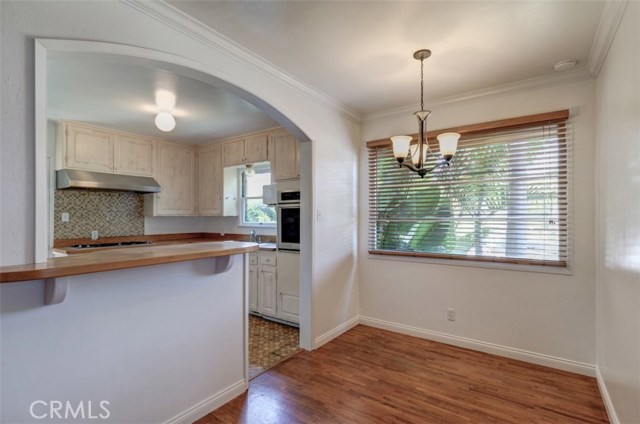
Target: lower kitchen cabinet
{"points": [[288, 285], [274, 288], [266, 284], [253, 282]]}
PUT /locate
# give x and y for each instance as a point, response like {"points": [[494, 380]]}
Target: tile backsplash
{"points": [[110, 213]]}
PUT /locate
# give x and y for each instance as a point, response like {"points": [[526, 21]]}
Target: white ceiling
{"points": [[361, 52], [358, 52], [104, 91]]}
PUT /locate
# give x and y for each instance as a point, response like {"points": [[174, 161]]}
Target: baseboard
{"points": [[508, 352], [214, 402], [332, 334], [608, 404]]}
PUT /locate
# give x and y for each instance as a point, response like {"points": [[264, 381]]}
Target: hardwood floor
{"points": [[369, 375]]}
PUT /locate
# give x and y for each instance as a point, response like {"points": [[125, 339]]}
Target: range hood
{"points": [[77, 179]]}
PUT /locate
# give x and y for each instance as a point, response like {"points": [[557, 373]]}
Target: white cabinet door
{"points": [[267, 287], [210, 176], [253, 281], [286, 156], [87, 148], [288, 271], [133, 156], [176, 174]]}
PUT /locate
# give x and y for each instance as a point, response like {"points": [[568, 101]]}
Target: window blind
{"points": [[505, 198]]}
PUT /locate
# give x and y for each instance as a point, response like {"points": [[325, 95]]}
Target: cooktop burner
{"points": [[113, 244]]}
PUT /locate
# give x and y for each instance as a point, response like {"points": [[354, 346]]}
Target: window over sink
{"points": [[254, 212]]}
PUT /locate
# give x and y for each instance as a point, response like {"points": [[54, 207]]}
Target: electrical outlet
{"points": [[94, 235], [451, 314], [64, 216]]}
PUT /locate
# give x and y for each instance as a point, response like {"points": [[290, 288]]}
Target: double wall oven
{"points": [[288, 208]]}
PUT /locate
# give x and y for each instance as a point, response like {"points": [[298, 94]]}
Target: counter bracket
{"points": [[224, 263], [55, 290]]}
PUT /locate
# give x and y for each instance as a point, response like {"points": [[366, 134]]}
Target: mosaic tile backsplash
{"points": [[110, 213]]}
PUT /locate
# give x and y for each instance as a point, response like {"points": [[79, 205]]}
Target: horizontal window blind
{"points": [[505, 198]]}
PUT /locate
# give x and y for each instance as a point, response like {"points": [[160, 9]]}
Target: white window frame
{"points": [[243, 204]]}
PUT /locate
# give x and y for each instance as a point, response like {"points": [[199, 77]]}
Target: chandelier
{"points": [[418, 152]]}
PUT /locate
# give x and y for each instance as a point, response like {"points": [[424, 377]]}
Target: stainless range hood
{"points": [[77, 179]]}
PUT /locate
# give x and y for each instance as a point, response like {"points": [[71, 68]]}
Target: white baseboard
{"points": [[332, 334], [509, 352], [210, 404], [611, 412]]}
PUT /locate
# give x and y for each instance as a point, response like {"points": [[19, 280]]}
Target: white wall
{"points": [[545, 318], [171, 332], [618, 219], [334, 138]]}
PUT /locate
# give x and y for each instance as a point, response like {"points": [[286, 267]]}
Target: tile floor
{"points": [[269, 344]]}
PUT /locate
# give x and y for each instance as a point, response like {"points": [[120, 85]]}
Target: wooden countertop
{"points": [[130, 257]]}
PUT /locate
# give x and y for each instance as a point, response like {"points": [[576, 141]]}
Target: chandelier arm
{"points": [[424, 171], [411, 167]]}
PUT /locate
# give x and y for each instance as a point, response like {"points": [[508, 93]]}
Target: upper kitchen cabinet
{"points": [[176, 173], [90, 148], [84, 147], [286, 155], [133, 155], [210, 176], [248, 150]]}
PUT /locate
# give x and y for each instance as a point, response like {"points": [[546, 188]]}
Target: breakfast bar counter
{"points": [[115, 259]]}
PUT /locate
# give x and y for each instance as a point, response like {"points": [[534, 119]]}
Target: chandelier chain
{"points": [[421, 84]]}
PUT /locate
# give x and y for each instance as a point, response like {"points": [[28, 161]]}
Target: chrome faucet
{"points": [[253, 237]]}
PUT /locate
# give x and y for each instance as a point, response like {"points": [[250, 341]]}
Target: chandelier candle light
{"points": [[402, 146]]}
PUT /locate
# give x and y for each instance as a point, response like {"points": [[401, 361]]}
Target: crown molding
{"points": [[575, 75], [191, 27], [609, 22]]}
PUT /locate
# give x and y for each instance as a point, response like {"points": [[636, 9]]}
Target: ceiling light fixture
{"points": [[165, 121], [402, 147], [249, 170]]}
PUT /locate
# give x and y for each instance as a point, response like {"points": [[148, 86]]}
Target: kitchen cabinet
{"points": [[253, 281], [248, 150], [288, 271], [210, 176], [286, 155], [91, 148], [87, 148], [176, 173], [267, 284], [133, 155], [274, 285]]}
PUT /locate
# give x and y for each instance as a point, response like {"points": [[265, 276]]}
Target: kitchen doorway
{"points": [[167, 62]]}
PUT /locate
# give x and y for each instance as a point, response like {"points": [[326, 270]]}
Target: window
{"points": [[254, 212], [503, 199]]}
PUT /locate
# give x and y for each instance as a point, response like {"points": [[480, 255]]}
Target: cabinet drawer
{"points": [[253, 259], [267, 260]]}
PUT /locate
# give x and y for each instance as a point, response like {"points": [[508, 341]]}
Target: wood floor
{"points": [[369, 375]]}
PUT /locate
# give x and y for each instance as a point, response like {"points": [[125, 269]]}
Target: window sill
{"points": [[257, 225], [475, 264]]}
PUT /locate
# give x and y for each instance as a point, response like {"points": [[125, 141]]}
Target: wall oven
{"points": [[289, 220]]}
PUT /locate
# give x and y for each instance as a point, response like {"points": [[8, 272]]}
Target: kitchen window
{"points": [[254, 212], [505, 197]]}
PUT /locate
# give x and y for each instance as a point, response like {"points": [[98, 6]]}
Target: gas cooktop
{"points": [[113, 244]]}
